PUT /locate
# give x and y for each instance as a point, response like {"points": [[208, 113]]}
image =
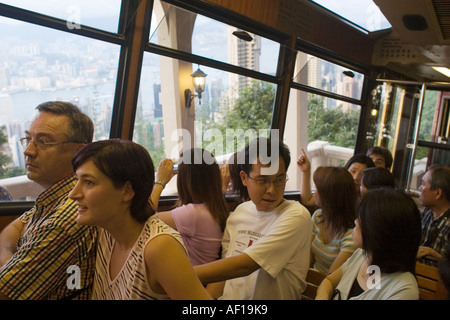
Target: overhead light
{"points": [[445, 71], [199, 81], [415, 22], [243, 35], [348, 73]]}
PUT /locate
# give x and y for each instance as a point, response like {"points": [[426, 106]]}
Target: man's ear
{"points": [[439, 193], [243, 176], [128, 192]]}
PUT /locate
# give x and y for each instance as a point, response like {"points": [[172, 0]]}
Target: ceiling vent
{"points": [[442, 9]]}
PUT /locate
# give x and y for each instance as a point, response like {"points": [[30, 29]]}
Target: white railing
{"points": [[21, 188]]}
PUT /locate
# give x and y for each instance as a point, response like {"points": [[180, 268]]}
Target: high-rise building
{"points": [[244, 54], [158, 106]]}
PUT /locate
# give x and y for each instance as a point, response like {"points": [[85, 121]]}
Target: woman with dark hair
{"points": [[387, 233], [376, 177], [138, 257], [332, 242], [201, 212]]}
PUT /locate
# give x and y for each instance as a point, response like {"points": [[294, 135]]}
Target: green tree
{"points": [[426, 121], [251, 112], [5, 170], [253, 109], [334, 125]]}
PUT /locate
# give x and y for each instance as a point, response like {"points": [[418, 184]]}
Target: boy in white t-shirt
{"points": [[266, 243]]}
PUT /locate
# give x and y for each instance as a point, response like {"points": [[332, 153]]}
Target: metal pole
{"points": [[413, 146]]}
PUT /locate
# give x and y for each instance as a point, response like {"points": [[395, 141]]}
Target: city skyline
{"points": [[39, 64]]}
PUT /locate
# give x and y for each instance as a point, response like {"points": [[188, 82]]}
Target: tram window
{"points": [[393, 120], [230, 112], [100, 14], [40, 64], [426, 122], [233, 108], [214, 40], [326, 128]]}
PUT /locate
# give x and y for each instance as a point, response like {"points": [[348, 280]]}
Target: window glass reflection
{"points": [[327, 76], [41, 64], [100, 14], [232, 110], [213, 39]]}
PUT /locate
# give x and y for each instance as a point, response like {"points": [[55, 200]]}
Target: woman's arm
{"points": [[216, 289], [167, 218], [326, 288], [340, 259], [164, 174], [168, 267], [306, 197]]}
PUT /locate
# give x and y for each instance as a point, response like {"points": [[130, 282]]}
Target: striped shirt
{"points": [[435, 233], [131, 282], [55, 257], [326, 253]]}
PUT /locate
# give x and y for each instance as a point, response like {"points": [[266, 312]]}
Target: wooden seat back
{"points": [[313, 280], [430, 283]]}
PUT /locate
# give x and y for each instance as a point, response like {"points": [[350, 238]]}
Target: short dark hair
{"points": [[255, 148], [112, 157], [360, 158], [246, 157], [440, 179], [391, 229], [377, 177], [81, 127], [384, 152]]}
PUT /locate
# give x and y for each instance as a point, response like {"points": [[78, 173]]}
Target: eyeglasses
{"points": [[40, 143], [265, 182]]}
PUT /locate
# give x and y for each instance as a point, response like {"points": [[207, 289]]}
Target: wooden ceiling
{"points": [[419, 37]]}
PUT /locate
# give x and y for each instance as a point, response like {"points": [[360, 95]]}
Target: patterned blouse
{"points": [[131, 283], [326, 253]]}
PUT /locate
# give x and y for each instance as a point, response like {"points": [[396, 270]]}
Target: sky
{"points": [[364, 13], [71, 10]]}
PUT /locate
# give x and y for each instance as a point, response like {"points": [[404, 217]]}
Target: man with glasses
{"points": [[45, 254], [266, 243]]}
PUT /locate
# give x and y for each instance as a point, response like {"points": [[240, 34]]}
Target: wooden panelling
{"points": [[307, 23], [265, 11]]}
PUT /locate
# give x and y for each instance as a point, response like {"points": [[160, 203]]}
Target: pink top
{"points": [[201, 234]]}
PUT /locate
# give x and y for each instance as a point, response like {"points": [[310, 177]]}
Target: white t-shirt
{"points": [[279, 241]]}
